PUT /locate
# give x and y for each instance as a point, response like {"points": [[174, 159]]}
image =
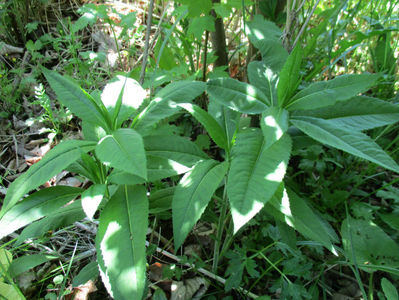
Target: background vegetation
{"points": [[247, 149]]}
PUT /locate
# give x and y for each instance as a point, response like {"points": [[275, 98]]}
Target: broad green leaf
{"points": [[166, 61], [36, 206], [392, 219], [274, 123], [164, 103], [27, 262], [358, 113], [365, 243], [121, 177], [210, 124], [236, 95], [390, 291], [264, 78], [326, 93], [227, 118], [346, 139], [56, 160], [174, 148], [92, 132], [76, 99], [157, 168], [255, 174], [289, 76], [297, 214], [161, 200], [60, 218], [91, 199], [193, 194], [199, 24], [88, 272], [160, 167], [120, 243], [123, 150], [260, 29], [273, 53], [8, 291], [266, 37], [196, 8], [122, 96]]}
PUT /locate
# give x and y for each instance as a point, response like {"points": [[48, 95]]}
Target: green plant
{"points": [[124, 152]]}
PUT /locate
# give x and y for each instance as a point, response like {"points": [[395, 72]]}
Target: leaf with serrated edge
{"points": [[56, 160], [76, 99], [210, 124], [346, 139], [36, 206], [193, 194], [326, 93], [164, 103], [174, 148], [237, 95], [358, 113], [255, 174], [124, 150], [120, 243]]}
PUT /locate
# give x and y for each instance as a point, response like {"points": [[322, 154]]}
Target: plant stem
{"points": [[147, 42], [305, 25], [222, 217], [371, 291]]}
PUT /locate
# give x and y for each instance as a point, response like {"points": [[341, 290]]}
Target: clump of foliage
{"points": [[284, 175]]}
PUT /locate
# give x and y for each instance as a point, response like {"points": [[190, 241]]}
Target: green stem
{"points": [[222, 217], [371, 290]]}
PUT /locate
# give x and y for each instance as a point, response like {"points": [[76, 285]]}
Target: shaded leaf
{"points": [[164, 103], [88, 272], [264, 78], [76, 99], [27, 262], [56, 160], [390, 291], [236, 95], [358, 113], [62, 217], [192, 195], [175, 148], [365, 243], [124, 150], [210, 124], [297, 214], [289, 76], [326, 93], [36, 206], [346, 139]]}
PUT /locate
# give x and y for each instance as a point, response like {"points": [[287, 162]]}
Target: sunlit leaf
{"points": [[255, 174], [120, 242]]}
